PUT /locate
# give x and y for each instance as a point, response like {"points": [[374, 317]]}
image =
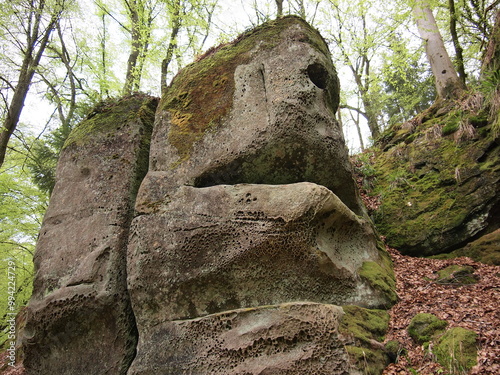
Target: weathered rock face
{"points": [[249, 210], [260, 111], [297, 338], [79, 318], [247, 231], [439, 181]]}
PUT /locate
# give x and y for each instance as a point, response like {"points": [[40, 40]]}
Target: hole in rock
{"points": [[318, 75]]}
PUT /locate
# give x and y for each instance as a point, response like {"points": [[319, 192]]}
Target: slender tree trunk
{"points": [[279, 5], [172, 45], [456, 43], [133, 57], [31, 61], [448, 84], [491, 59], [358, 129], [103, 85]]}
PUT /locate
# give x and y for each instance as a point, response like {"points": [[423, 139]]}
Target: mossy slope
{"points": [[438, 178]]}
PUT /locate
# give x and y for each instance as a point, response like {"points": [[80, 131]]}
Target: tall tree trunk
{"points": [[456, 43], [172, 45], [448, 84], [491, 59], [31, 61], [131, 76], [279, 5]]}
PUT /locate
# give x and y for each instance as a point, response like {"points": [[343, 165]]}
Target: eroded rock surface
{"points": [[247, 231], [249, 210], [297, 338], [79, 319]]}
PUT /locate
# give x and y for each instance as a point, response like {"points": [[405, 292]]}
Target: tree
{"points": [[448, 84], [408, 87], [279, 7], [357, 38], [22, 206], [188, 16], [36, 20], [141, 14], [491, 60], [456, 42]]}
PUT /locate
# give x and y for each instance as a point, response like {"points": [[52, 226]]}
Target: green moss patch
{"points": [[109, 116], [485, 249], [431, 178], [457, 350], [365, 330], [424, 327], [201, 95], [456, 274], [380, 278]]}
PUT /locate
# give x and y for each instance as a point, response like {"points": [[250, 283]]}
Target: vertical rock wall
{"points": [[79, 317]]}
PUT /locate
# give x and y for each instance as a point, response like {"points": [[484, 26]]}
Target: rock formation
{"points": [[438, 177], [79, 319], [248, 231], [247, 212]]}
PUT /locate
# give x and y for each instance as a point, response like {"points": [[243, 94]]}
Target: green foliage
{"points": [[22, 206], [408, 86], [425, 327]]}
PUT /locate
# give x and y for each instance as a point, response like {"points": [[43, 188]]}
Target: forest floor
{"points": [[475, 307]]}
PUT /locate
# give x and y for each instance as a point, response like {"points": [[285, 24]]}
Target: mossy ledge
{"points": [[364, 331], [381, 276], [437, 177], [107, 117], [201, 95]]}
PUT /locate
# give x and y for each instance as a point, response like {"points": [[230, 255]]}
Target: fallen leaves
{"points": [[474, 307]]}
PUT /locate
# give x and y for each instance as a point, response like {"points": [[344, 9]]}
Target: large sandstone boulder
{"points": [[260, 110], [79, 319], [249, 226]]}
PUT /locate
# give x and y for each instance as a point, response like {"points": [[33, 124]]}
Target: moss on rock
{"points": [[485, 249], [108, 117], [456, 274], [380, 278], [457, 350], [437, 177], [201, 95], [364, 330], [424, 327]]}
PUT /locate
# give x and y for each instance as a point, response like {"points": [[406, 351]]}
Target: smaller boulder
{"points": [[424, 327], [457, 275], [457, 350]]}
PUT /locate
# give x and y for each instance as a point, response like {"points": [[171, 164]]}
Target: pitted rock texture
{"points": [[206, 250], [297, 338], [79, 319], [250, 202], [260, 110]]}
